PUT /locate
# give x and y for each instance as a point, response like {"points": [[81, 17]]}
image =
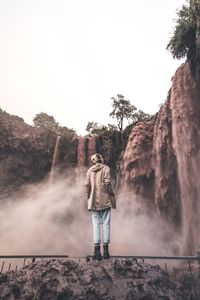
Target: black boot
{"points": [[97, 253], [106, 254]]}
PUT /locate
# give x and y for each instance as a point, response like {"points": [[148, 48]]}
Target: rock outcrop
{"points": [[162, 159], [26, 153], [164, 163], [185, 107], [112, 279], [136, 164]]}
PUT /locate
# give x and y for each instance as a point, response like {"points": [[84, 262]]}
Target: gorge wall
{"points": [[26, 153], [162, 159], [185, 107]]}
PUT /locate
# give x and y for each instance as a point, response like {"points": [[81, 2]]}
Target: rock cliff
{"points": [[161, 160], [26, 153]]}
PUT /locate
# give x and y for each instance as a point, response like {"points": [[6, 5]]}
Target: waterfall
{"points": [[164, 163], [81, 159], [91, 147], [161, 162], [136, 163], [55, 159], [185, 106]]}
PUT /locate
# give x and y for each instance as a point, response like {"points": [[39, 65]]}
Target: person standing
{"points": [[101, 198]]}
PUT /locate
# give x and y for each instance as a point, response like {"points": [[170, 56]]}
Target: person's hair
{"points": [[97, 158]]}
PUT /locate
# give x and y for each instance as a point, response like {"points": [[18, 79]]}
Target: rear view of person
{"points": [[101, 199]]}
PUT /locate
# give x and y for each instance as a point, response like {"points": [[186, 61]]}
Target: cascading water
{"points": [[91, 147], [164, 163], [161, 162], [137, 182], [185, 106], [136, 163], [55, 159], [81, 159]]}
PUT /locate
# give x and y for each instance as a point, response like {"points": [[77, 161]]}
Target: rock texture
{"points": [[162, 159], [26, 152], [137, 169], [149, 164], [185, 107], [112, 279], [164, 163]]}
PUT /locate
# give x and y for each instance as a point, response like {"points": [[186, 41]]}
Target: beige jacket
{"points": [[99, 188]]}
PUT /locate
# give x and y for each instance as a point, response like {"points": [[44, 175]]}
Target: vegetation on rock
{"points": [[122, 110], [185, 41], [43, 120], [93, 128], [182, 43]]}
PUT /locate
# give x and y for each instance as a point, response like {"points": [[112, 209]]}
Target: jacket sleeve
{"points": [[107, 182], [88, 184]]}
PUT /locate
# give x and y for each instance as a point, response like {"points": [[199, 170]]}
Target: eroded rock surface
{"points": [[112, 279], [26, 153], [161, 162]]}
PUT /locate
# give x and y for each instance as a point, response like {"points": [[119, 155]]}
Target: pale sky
{"points": [[67, 58]]}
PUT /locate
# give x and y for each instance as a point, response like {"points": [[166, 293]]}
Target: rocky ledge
{"points": [[108, 279]]}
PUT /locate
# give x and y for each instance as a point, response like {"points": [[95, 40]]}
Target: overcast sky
{"points": [[69, 57]]}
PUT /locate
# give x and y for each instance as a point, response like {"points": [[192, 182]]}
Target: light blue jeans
{"points": [[101, 218]]}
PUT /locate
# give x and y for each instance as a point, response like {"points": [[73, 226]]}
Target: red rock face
{"points": [[185, 106], [26, 153], [162, 159], [136, 163], [164, 164]]}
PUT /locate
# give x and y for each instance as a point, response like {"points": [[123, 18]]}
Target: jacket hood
{"points": [[97, 167]]}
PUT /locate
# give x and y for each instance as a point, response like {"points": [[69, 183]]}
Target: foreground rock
{"points": [[112, 279]]}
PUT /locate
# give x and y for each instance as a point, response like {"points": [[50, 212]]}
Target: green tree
{"points": [[67, 132], [141, 116], [122, 109], [185, 41], [43, 120], [111, 127], [93, 128]]}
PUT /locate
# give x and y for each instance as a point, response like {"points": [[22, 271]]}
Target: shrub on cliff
{"points": [[43, 120], [46, 121], [93, 128], [124, 110], [185, 41]]}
